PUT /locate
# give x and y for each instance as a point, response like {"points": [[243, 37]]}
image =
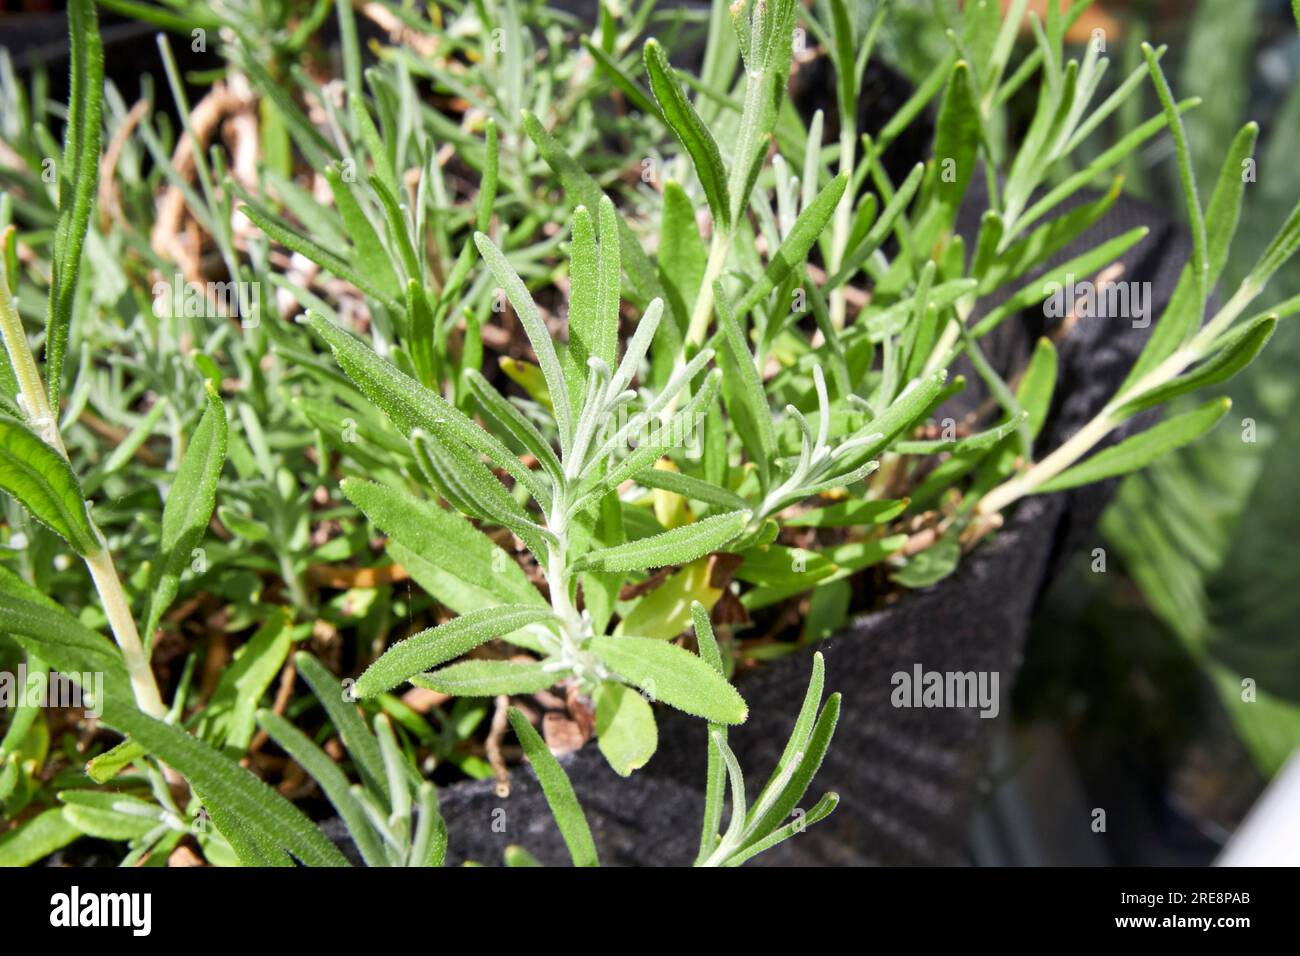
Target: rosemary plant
{"points": [[728, 396]]}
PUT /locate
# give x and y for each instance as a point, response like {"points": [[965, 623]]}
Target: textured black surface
{"points": [[908, 778]]}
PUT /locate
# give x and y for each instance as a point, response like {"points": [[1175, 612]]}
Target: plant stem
{"points": [[1108, 418], [113, 597], [840, 227], [703, 310], [34, 398], [100, 564]]}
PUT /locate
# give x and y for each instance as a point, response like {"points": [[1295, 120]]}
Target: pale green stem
{"points": [[112, 596], [941, 354], [100, 564], [1107, 419], [703, 310], [840, 227]]}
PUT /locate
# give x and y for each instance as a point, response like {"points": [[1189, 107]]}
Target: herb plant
{"points": [[694, 422]]}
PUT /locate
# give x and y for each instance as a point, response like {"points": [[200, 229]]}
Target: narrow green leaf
{"points": [[42, 481], [880, 230], [295, 241], [331, 779], [608, 284], [985, 439], [580, 187], [359, 742], [276, 823], [1186, 172], [489, 679], [472, 488], [538, 335], [677, 546], [372, 256], [683, 257], [956, 142], [488, 180], [559, 792], [820, 811], [37, 837], [189, 507], [806, 759], [410, 405], [502, 414], [374, 143], [690, 131], [848, 514], [1183, 314], [583, 285], [1034, 393], [443, 643], [690, 487], [623, 80], [1237, 352], [793, 252], [78, 181], [673, 675], [742, 387]]}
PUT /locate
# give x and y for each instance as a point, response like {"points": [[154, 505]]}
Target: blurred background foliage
{"points": [[1179, 667]]}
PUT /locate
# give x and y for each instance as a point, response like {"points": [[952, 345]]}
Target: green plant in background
{"points": [[593, 495], [1207, 534]]}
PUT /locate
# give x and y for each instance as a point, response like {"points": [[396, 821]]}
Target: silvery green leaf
{"points": [[742, 387], [321, 768], [410, 405], [489, 678], [269, 821], [880, 230], [444, 538], [470, 487], [663, 436], [860, 513], [78, 180], [985, 439], [793, 251], [797, 744], [690, 131], [42, 481], [677, 546], [673, 675], [1182, 316], [583, 285], [559, 792], [797, 768], [443, 643], [189, 506], [691, 487], [359, 742], [956, 141], [820, 811], [538, 335], [582, 188], [1236, 352]]}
